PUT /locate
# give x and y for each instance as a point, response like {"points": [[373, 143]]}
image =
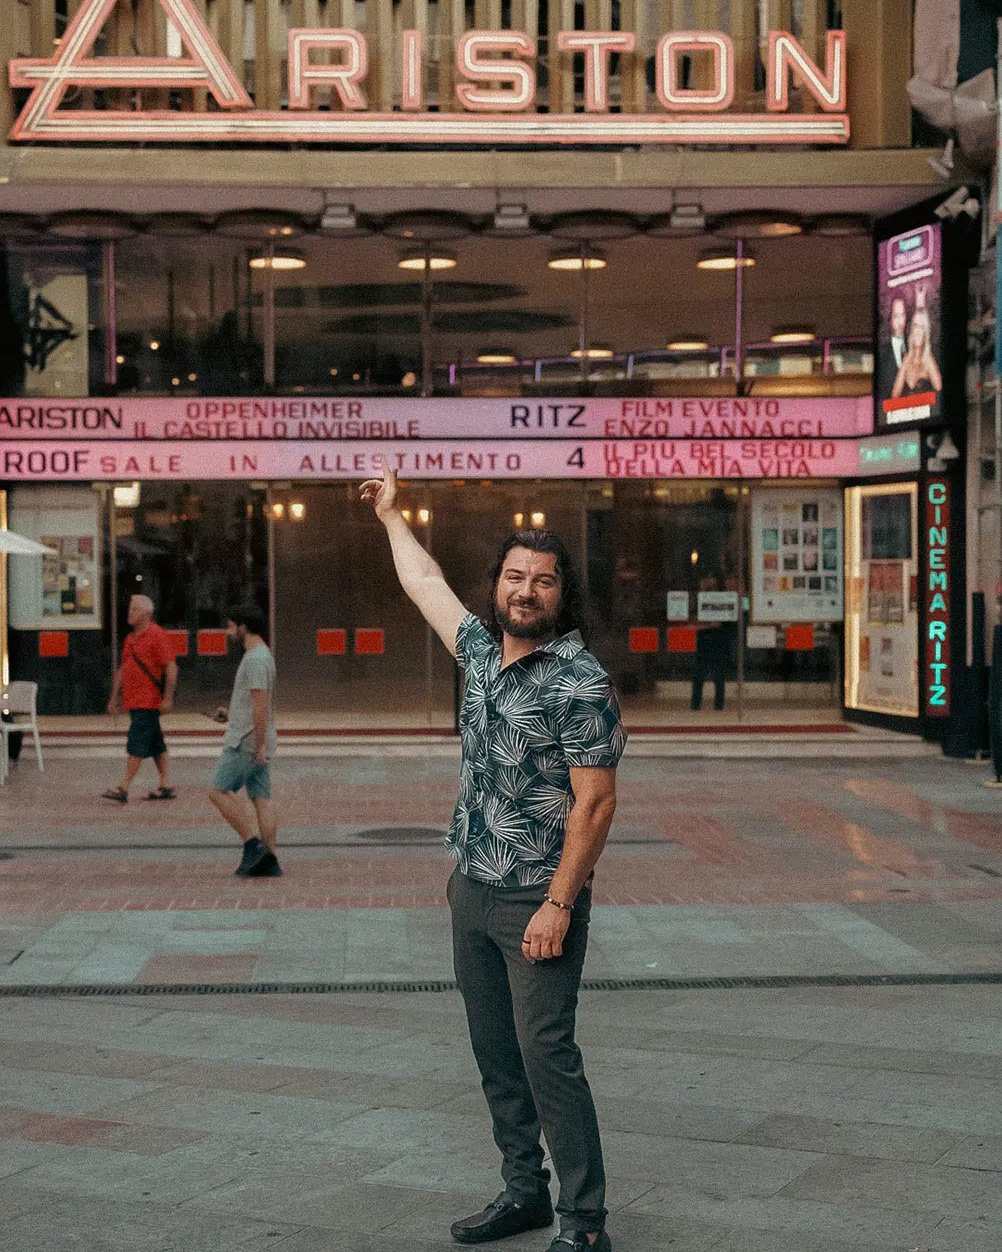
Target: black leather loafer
{"points": [[577, 1241], [503, 1217]]}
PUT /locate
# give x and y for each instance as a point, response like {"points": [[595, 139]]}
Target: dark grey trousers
{"points": [[521, 1018]]}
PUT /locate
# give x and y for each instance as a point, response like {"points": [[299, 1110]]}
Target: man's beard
{"points": [[543, 626]]}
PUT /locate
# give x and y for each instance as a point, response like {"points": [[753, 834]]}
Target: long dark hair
{"points": [[571, 614]]}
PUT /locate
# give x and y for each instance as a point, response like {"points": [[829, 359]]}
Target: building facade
{"points": [[609, 268]]}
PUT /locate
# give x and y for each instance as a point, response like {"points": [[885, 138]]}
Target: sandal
{"points": [[116, 793], [162, 793]]}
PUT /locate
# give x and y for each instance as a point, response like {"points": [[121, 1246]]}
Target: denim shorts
{"points": [[145, 736], [237, 769]]}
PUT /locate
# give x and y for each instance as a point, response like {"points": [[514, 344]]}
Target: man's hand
{"points": [[382, 493], [544, 935], [166, 704], [261, 756], [114, 705]]}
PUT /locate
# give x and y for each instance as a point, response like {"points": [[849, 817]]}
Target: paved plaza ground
{"points": [[791, 1018]]}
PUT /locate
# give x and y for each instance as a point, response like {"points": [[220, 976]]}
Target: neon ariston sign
{"points": [[496, 90]]}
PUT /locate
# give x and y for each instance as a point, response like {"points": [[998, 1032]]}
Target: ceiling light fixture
{"points": [[283, 259], [759, 224], [723, 259], [497, 356], [596, 352], [258, 224], [577, 259], [691, 343], [793, 334], [91, 224], [420, 259], [840, 225]]}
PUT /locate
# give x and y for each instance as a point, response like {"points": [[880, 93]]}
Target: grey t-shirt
{"points": [[256, 673]]}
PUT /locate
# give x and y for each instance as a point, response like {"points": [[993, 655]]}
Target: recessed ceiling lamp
{"points": [[793, 334], [281, 259], [577, 259], [497, 356], [596, 352], [840, 225], [16, 225], [426, 225], [759, 225], [723, 259], [259, 224], [91, 224], [432, 259], [690, 343], [176, 225], [593, 224]]}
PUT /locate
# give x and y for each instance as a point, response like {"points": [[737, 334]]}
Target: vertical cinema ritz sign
{"points": [[495, 94], [937, 599]]}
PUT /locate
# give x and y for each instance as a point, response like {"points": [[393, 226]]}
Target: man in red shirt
{"points": [[144, 683]]}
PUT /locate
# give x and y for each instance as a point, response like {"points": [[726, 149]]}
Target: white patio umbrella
{"points": [[21, 545]]}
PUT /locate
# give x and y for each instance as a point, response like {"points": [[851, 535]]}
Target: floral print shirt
{"points": [[522, 729]]}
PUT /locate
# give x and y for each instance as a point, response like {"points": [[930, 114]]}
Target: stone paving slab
{"points": [[725, 1155], [784, 1119]]}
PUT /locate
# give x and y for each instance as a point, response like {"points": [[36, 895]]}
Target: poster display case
{"points": [[881, 618], [796, 554], [58, 591]]}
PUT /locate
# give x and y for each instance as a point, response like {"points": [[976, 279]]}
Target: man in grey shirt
{"points": [[248, 745]]}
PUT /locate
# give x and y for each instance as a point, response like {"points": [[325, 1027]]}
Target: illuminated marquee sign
{"points": [[81, 460], [318, 437], [496, 90], [937, 599], [348, 418]]}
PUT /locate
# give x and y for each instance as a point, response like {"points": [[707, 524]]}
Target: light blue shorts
{"points": [[238, 769]]}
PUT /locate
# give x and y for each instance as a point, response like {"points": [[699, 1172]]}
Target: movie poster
{"points": [[908, 377], [60, 591], [797, 555]]}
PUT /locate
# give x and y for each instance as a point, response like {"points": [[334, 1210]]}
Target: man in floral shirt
{"points": [[541, 739]]}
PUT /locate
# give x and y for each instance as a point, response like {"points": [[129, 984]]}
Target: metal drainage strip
{"points": [[745, 982]]}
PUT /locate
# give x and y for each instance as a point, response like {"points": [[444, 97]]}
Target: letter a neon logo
{"points": [[71, 65]]}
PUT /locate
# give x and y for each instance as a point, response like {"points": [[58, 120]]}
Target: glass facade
{"points": [[199, 314], [353, 651], [184, 312]]}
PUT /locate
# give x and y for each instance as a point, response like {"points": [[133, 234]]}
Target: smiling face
{"points": [[527, 596], [918, 335], [899, 318]]}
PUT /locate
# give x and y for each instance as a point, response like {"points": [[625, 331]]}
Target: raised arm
{"points": [[420, 576]]}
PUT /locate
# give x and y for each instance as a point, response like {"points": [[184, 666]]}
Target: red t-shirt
{"points": [[153, 647]]}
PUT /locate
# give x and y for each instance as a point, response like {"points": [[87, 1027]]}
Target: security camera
{"points": [[943, 163], [944, 451], [958, 202]]}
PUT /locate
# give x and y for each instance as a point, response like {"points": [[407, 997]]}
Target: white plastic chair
{"points": [[19, 701]]}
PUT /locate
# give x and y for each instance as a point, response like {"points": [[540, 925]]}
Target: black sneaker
{"points": [[254, 851], [266, 866]]}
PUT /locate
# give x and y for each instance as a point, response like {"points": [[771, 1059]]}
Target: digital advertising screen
{"points": [[908, 370]]}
